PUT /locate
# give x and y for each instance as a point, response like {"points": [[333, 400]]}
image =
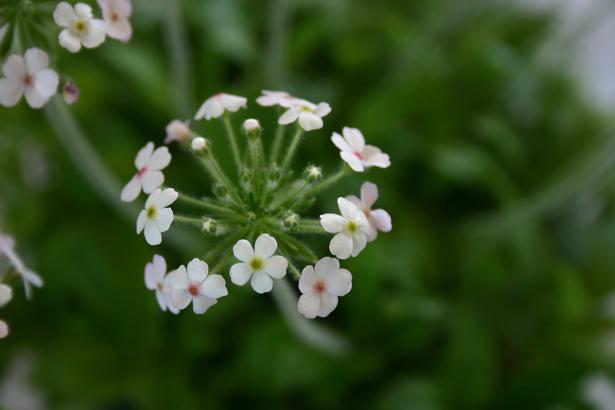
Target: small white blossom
{"points": [[196, 286], [351, 228], [309, 115], [155, 274], [7, 248], [149, 164], [379, 219], [216, 105], [116, 14], [80, 26], [271, 98], [251, 126], [321, 287], [6, 294], [28, 75], [4, 329], [177, 131], [258, 264], [198, 144], [156, 217], [356, 154]]}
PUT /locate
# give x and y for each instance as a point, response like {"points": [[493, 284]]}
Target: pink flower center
{"points": [[27, 80], [319, 286], [194, 290], [358, 155], [142, 171], [114, 17]]}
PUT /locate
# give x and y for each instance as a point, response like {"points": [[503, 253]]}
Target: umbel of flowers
{"points": [[256, 212]]}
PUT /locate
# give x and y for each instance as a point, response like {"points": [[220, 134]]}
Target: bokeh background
{"points": [[492, 291]]}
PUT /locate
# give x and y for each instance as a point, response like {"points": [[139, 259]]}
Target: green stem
{"points": [[277, 143], [292, 148], [221, 263], [212, 166], [257, 158], [188, 220], [225, 243], [205, 203], [327, 182], [232, 140], [179, 57], [309, 226]]}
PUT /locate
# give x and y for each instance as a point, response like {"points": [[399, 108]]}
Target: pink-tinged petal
{"points": [[10, 92], [46, 83], [352, 160], [155, 271], [326, 266], [276, 266], [201, 304], [120, 30], [307, 279], [309, 121], [160, 159], [265, 246], [371, 233], [339, 282], [211, 108], [214, 287], [382, 220], [355, 138], [232, 103], [36, 60], [373, 157], [144, 155], [340, 142], [141, 221], [348, 210], [341, 246], [288, 117], [152, 233], [240, 273], [34, 99], [309, 305], [64, 14], [355, 201], [243, 250], [322, 109], [151, 181], [261, 282], [162, 300], [328, 303], [69, 41], [14, 68], [131, 190], [369, 194], [332, 223], [170, 304], [180, 298], [197, 270], [166, 197], [83, 11], [96, 34], [359, 240], [164, 219], [178, 279]]}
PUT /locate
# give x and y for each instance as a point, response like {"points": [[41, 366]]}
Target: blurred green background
{"points": [[488, 294]]}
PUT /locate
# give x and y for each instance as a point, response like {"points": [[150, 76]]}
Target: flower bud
{"points": [[251, 128], [177, 131], [6, 294], [245, 178], [210, 226], [312, 173], [290, 219], [199, 144], [220, 190], [70, 92]]}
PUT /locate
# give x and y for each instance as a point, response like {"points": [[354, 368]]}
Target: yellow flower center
{"points": [[256, 264], [351, 227], [151, 212], [80, 26]]}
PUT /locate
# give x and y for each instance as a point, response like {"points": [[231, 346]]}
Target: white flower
{"points": [[80, 27], [378, 219], [259, 263], [216, 105], [177, 131], [271, 98], [308, 114], [4, 329], [155, 273], [351, 228], [116, 14], [358, 155], [7, 247], [321, 287], [28, 75], [157, 217], [196, 286], [199, 144], [6, 294], [149, 164]]}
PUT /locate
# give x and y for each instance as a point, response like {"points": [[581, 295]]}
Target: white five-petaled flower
{"points": [[258, 264], [80, 26], [218, 104], [309, 115], [116, 14], [7, 248], [155, 275], [351, 228], [271, 98], [358, 155], [196, 286], [28, 75], [379, 219], [321, 287], [149, 164], [178, 130], [157, 217]]}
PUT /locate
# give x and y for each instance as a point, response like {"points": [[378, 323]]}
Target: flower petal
{"points": [[243, 250], [265, 246], [155, 271], [276, 266], [339, 282], [166, 197], [232, 103], [214, 287], [373, 157], [201, 304], [382, 220], [332, 223], [310, 122], [152, 233], [36, 60], [341, 246], [164, 219], [180, 298], [144, 155], [95, 35], [369, 194], [240, 273], [46, 83], [151, 181], [261, 282], [355, 138], [141, 221], [131, 190], [359, 240], [160, 159], [10, 92], [288, 117], [322, 109], [348, 210], [69, 41], [120, 30], [197, 270], [83, 11], [307, 279], [64, 14], [14, 68], [178, 279], [340, 142], [326, 266], [34, 99], [309, 305], [328, 303], [352, 160]]}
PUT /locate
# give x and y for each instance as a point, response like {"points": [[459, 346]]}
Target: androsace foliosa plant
{"points": [[256, 212]]}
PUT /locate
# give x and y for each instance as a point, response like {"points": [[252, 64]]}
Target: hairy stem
{"points": [[188, 220], [327, 182], [205, 203], [277, 144], [292, 149], [232, 140], [309, 227]]}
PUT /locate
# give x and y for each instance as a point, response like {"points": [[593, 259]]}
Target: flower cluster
{"points": [[28, 74], [16, 268], [254, 215]]}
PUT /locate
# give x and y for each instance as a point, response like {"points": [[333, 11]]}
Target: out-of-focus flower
{"points": [[177, 130], [156, 217], [218, 104], [7, 248], [271, 98], [309, 115], [379, 219], [70, 92], [80, 26], [196, 286], [155, 274], [251, 127], [28, 75], [3, 31], [116, 14], [199, 144], [321, 287], [599, 391], [258, 264], [350, 227], [4, 329], [356, 154], [149, 164], [6, 294]]}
